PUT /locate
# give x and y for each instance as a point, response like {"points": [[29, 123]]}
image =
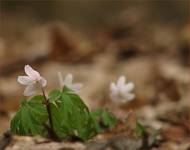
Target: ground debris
{"points": [[5, 139]]}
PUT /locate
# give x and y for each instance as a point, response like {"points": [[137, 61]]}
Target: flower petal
{"points": [[61, 81], [77, 87], [113, 88], [25, 80], [128, 87], [68, 79], [32, 73], [121, 81], [130, 96], [30, 90], [43, 82]]}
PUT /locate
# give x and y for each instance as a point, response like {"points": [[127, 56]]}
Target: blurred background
{"points": [[97, 41]]}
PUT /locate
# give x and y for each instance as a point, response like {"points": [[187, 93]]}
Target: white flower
{"points": [[76, 87], [121, 91], [33, 77]]}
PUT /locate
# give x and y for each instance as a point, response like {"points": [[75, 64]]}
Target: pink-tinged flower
{"points": [[31, 80], [68, 81], [121, 91]]}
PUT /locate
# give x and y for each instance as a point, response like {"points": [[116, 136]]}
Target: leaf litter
{"points": [[158, 118]]}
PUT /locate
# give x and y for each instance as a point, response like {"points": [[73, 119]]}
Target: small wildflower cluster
{"points": [[62, 114]]}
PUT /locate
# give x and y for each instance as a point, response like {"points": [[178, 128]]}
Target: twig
{"points": [[51, 131]]}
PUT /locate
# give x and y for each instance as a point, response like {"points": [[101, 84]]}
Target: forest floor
{"points": [[156, 59]]}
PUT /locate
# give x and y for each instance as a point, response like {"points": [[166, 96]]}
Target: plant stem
{"points": [[47, 104]]}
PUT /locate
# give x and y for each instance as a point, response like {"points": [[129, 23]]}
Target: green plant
{"points": [[60, 115]]}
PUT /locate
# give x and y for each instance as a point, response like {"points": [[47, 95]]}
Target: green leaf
{"points": [[57, 118], [30, 118], [96, 119], [108, 120], [102, 119], [140, 129], [54, 95], [70, 116]]}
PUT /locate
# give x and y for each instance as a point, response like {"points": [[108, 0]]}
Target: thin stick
{"points": [[47, 104]]}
